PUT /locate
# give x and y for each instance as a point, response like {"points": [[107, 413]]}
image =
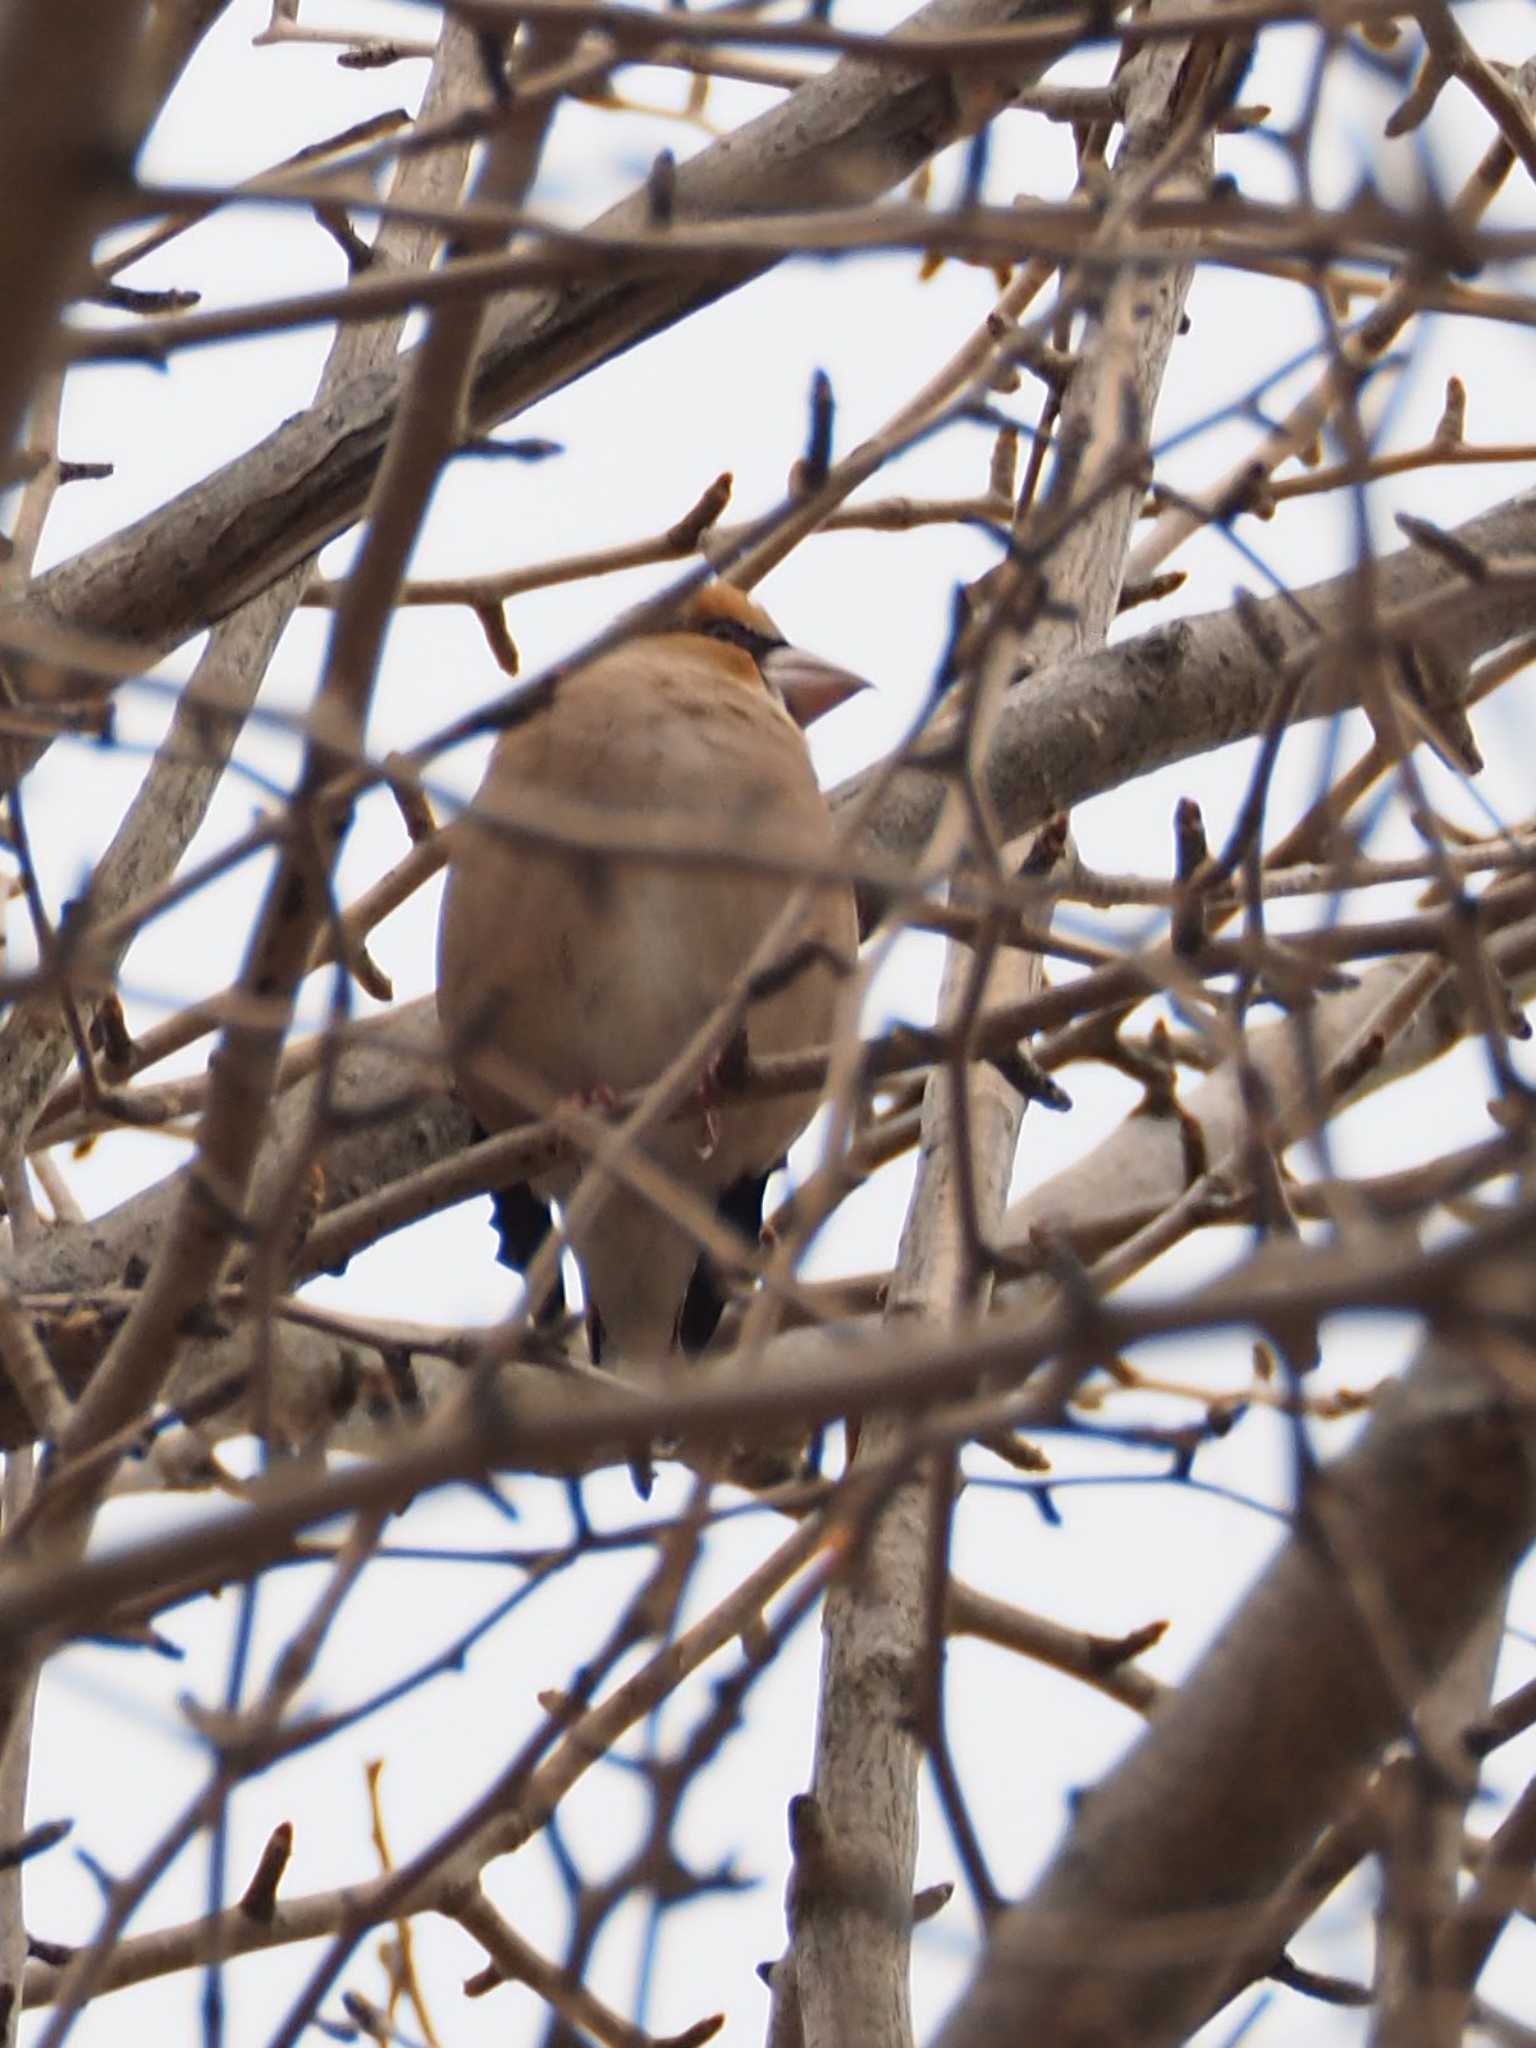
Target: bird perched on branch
{"points": [[566, 971]]}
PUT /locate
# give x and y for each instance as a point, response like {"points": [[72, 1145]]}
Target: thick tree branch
{"points": [[1096, 722], [882, 1685], [1401, 1547], [853, 132]]}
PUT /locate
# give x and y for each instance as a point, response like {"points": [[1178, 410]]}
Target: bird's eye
{"points": [[739, 634]]}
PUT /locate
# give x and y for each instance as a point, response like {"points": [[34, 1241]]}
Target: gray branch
{"points": [[848, 135]]}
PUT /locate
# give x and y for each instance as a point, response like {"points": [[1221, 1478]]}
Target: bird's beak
{"points": [[809, 686]]}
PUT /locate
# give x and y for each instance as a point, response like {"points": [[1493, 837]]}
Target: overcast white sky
{"points": [[640, 440]]}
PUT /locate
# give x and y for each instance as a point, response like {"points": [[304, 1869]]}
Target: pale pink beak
{"points": [[809, 686]]}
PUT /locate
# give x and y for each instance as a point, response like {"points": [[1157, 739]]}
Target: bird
{"points": [[567, 972]]}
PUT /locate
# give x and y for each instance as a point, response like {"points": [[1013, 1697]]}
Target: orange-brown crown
{"points": [[716, 605]]}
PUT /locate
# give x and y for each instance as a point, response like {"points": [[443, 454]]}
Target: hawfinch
{"points": [[564, 972]]}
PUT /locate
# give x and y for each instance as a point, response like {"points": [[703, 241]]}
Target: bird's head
{"points": [[807, 686]]}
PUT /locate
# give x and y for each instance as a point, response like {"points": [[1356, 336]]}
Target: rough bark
{"points": [[1401, 1547]]}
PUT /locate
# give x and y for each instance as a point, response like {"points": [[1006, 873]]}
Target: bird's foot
{"points": [[709, 1132], [707, 1096], [726, 1073]]}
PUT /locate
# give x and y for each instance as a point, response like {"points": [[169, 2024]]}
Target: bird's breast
{"points": [[565, 970]]}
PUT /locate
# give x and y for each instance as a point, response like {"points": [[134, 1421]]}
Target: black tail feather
{"points": [[740, 1205], [522, 1221]]}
